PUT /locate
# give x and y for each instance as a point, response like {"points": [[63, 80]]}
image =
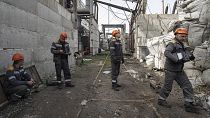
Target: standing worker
{"points": [[61, 51], [176, 55], [116, 58], [19, 82]]}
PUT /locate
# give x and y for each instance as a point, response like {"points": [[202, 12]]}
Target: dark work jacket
{"points": [[116, 50], [17, 77], [172, 62], [55, 50]]}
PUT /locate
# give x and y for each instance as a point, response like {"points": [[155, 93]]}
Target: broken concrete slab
{"points": [[155, 85], [84, 102], [106, 72], [201, 100], [131, 71]]}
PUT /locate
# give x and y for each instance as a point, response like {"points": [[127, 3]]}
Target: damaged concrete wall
{"points": [[91, 25], [29, 27], [148, 26], [94, 37]]}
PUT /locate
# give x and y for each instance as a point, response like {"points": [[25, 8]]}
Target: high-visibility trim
{"points": [[12, 77], [68, 80], [188, 100], [17, 95], [59, 82], [112, 47], [114, 81], [161, 98], [53, 47], [16, 72], [58, 45], [21, 70], [117, 43], [28, 90]]}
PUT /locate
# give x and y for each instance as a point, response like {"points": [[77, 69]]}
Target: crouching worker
{"points": [[176, 55], [19, 82]]}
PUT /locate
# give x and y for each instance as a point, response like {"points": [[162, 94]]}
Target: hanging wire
{"points": [[116, 15], [110, 10], [128, 6]]}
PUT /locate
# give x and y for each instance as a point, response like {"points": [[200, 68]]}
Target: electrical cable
{"points": [[116, 15], [110, 10], [128, 6], [127, 18], [126, 14]]}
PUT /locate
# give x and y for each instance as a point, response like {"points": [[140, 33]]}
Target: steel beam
{"points": [[115, 6]]}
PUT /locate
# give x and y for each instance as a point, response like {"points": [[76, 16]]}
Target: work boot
{"points": [[60, 86], [28, 99], [14, 97], [114, 87], [163, 103], [190, 107], [69, 85], [118, 85]]}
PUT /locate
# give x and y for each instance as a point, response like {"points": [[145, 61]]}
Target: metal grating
{"points": [[34, 74]]}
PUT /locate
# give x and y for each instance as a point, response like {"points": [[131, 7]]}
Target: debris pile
{"points": [[202, 61], [195, 16], [156, 46]]}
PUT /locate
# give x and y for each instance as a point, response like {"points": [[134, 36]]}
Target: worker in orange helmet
{"points": [[61, 51], [19, 82], [116, 58], [176, 55]]}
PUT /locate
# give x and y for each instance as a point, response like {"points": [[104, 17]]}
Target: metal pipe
{"points": [[163, 5], [174, 7], [115, 6], [166, 10]]}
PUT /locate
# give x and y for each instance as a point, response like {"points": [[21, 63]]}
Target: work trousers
{"points": [[60, 65], [21, 90], [182, 80], [115, 71]]}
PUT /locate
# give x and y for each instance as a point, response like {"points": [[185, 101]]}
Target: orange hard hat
{"points": [[63, 34], [181, 31], [17, 57], [114, 32]]}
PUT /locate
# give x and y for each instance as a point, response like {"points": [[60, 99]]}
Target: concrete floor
{"points": [[134, 100]]}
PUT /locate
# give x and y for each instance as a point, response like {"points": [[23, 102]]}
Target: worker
{"points": [[18, 82], [116, 55], [61, 51], [176, 55]]}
